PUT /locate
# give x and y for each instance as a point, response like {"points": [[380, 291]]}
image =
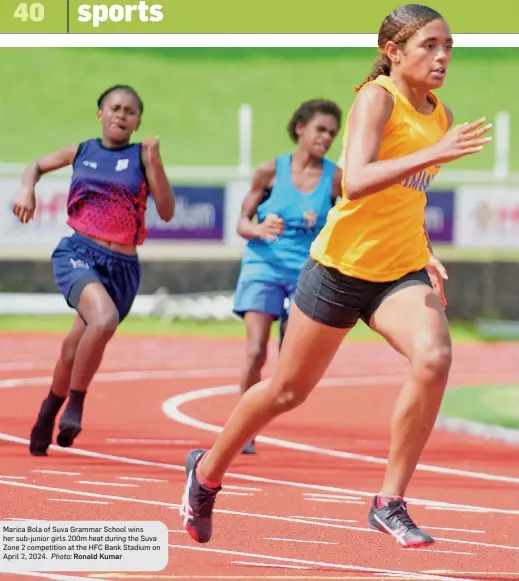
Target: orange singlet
{"points": [[381, 237]]}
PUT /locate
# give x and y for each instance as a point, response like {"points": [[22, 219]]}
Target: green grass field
{"points": [[493, 405], [134, 325], [192, 96]]}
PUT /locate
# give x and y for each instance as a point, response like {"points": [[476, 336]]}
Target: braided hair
{"points": [[398, 27]]}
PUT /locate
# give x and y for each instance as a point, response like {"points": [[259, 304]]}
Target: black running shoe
{"points": [[41, 433], [197, 502], [41, 436], [69, 430], [250, 448], [394, 520]]}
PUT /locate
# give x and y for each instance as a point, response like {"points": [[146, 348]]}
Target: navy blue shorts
{"points": [[78, 261]]}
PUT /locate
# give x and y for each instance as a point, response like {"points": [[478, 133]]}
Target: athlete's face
{"points": [[424, 59], [120, 116], [318, 134]]}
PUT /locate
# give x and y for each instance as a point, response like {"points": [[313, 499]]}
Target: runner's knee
{"points": [[287, 395], [105, 324], [433, 362]]}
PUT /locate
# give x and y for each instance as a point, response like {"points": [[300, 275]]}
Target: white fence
{"points": [[499, 226], [244, 169]]}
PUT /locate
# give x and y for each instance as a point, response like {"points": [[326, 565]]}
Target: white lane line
{"points": [[272, 565], [299, 541], [229, 512], [322, 564], [325, 518], [151, 442], [171, 409], [60, 472], [477, 544], [124, 376], [335, 500], [446, 551], [22, 366], [337, 496], [459, 508], [80, 501], [120, 484], [244, 488], [139, 479], [250, 478], [453, 530], [332, 565]]}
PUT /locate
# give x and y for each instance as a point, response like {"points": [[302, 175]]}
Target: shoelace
{"points": [[398, 509], [205, 502]]}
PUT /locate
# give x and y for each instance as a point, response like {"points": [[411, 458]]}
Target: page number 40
{"points": [[34, 12]]}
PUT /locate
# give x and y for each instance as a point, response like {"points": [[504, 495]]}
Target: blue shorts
{"points": [[78, 261], [272, 298]]}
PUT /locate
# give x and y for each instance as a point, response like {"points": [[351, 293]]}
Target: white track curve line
{"points": [[158, 374], [171, 409], [250, 478], [120, 376]]}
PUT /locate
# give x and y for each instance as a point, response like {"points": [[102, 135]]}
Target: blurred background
{"points": [[219, 113]]}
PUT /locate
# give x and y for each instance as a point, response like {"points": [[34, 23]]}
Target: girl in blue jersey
{"points": [[97, 268], [290, 196]]}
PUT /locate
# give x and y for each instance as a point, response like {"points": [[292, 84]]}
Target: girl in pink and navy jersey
{"points": [[97, 269]]}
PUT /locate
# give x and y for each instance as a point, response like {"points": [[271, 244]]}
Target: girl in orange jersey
{"points": [[372, 261]]}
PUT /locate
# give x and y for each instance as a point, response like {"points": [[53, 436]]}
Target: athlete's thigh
{"points": [[412, 320], [258, 327], [308, 349], [74, 269], [96, 305], [326, 306]]}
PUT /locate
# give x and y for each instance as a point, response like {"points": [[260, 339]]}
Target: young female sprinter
{"points": [[372, 260], [97, 268], [291, 196]]}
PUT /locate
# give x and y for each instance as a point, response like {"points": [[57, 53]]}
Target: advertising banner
{"points": [[49, 223], [198, 214], [487, 217], [439, 216]]}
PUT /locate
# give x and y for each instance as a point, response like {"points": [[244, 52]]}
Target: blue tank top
{"points": [[304, 216], [108, 193]]}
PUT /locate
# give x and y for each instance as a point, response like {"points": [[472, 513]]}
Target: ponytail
{"points": [[382, 66]]}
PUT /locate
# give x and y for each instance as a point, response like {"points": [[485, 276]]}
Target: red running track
{"points": [[298, 509]]}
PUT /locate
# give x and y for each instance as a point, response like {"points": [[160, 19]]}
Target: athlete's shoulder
{"points": [[85, 147], [92, 142], [89, 145], [449, 114], [330, 167], [267, 169], [373, 102]]}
